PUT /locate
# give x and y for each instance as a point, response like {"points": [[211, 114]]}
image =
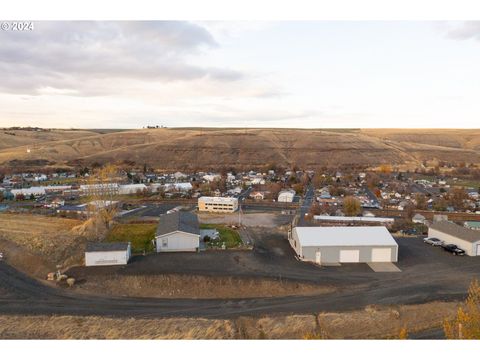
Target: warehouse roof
{"points": [[344, 236], [458, 231], [94, 247], [178, 221]]}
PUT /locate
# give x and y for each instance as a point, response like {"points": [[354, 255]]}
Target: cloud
{"points": [[87, 58], [464, 31]]}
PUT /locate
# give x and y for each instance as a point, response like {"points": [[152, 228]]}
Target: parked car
{"points": [[433, 241], [454, 249], [1, 256]]}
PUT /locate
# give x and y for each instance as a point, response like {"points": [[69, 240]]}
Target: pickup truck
{"points": [[454, 249]]}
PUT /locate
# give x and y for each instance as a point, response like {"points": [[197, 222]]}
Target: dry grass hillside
{"points": [[246, 148], [371, 323], [36, 244]]}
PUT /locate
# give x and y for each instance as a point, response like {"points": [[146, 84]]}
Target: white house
{"points": [[103, 254], [177, 231], [418, 219], [211, 177], [286, 196]]}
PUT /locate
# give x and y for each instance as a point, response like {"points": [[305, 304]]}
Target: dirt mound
{"points": [[190, 286]]}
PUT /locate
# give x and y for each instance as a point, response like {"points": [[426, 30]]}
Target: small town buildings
{"points": [[217, 204], [343, 244], [37, 191], [177, 231], [418, 219], [257, 195], [211, 177], [451, 233], [473, 225], [131, 189], [355, 219], [286, 196], [103, 254], [99, 189], [179, 186]]}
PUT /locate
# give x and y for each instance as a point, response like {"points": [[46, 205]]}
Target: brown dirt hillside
{"points": [[170, 149], [48, 240]]}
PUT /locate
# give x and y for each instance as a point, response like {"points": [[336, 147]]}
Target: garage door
{"points": [[349, 256], [381, 255]]}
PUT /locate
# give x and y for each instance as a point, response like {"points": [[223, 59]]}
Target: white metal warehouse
{"points": [[451, 233], [344, 244], [102, 254]]}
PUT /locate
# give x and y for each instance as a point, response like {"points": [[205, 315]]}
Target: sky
{"points": [[321, 74]]}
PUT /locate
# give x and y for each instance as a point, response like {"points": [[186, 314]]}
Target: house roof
{"points": [[178, 221], [94, 247], [345, 236], [458, 231]]}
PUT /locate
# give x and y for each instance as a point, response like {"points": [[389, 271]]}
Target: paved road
{"points": [[306, 204], [427, 274]]}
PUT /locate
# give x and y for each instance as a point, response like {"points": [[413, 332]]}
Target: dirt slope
{"points": [[247, 148]]}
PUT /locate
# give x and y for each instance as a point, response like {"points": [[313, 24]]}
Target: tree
{"points": [[103, 208], [440, 205], [457, 197], [421, 201], [466, 324], [403, 334], [385, 169], [351, 206]]}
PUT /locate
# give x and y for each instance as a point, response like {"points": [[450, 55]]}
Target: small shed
{"points": [[102, 254], [451, 233]]}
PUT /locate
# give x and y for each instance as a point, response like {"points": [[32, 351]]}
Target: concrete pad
{"points": [[331, 264], [383, 267]]}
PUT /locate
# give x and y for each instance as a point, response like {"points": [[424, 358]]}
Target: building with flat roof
{"points": [[344, 244], [286, 196], [451, 233], [217, 204]]}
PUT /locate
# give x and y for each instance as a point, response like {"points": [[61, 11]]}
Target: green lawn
{"points": [[229, 236], [140, 235]]}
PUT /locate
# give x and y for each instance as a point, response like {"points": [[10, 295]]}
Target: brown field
{"points": [[371, 323], [243, 148], [35, 243]]}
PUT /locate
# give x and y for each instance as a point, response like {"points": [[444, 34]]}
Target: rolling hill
{"points": [[212, 148]]}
